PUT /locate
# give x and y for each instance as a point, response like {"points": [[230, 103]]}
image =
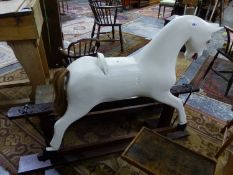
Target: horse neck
{"points": [[165, 46]]}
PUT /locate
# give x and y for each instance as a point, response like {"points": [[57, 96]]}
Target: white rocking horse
{"points": [[149, 73]]}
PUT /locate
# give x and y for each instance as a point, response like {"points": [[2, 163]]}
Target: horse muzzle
{"points": [[195, 55]]}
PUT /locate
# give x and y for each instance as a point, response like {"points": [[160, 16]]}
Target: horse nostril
{"points": [[195, 55]]}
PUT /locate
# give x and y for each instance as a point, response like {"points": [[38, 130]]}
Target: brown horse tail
{"points": [[61, 77]]}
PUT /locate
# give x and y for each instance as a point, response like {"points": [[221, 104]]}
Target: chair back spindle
{"points": [[80, 48], [105, 15]]}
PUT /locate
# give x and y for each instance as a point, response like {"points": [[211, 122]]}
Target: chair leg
{"points": [[113, 32], [164, 10], [93, 31], [229, 85], [159, 10], [210, 65], [98, 32], [121, 39]]}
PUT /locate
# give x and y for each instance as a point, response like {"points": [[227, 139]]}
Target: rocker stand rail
{"points": [[46, 108], [80, 153]]}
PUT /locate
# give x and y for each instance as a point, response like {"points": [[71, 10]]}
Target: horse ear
{"points": [[213, 27]]}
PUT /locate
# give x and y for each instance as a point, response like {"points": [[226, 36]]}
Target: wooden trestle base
{"points": [[86, 151], [32, 163]]}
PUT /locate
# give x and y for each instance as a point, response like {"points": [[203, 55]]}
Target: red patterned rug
{"points": [[213, 85]]}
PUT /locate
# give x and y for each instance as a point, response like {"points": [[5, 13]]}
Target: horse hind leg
{"points": [[171, 100], [70, 116]]}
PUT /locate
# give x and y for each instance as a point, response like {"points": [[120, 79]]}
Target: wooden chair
{"points": [[106, 16], [227, 52], [80, 48]]}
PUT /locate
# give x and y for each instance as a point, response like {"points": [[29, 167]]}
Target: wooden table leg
{"points": [[43, 58], [29, 56]]}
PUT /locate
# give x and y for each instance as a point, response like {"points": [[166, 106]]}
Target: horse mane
{"points": [[59, 84]]}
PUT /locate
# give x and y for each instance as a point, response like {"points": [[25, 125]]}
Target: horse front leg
{"points": [[171, 100], [71, 115]]}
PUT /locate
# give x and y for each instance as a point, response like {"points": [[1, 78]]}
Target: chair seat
{"points": [[167, 3]]}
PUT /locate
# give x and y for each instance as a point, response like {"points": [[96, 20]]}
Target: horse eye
{"points": [[207, 42]]}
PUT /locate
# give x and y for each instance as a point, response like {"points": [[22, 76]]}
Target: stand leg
{"points": [[28, 54]]}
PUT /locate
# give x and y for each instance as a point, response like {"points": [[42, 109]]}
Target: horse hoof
{"points": [[51, 149], [180, 127], [46, 155]]}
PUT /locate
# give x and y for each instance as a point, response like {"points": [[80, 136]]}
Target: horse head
{"points": [[201, 36]]}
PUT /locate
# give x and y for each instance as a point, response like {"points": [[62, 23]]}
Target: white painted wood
{"points": [[149, 73]]}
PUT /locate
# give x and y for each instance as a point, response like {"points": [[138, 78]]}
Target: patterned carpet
{"points": [[213, 85], [204, 138], [18, 138], [14, 93], [78, 20]]}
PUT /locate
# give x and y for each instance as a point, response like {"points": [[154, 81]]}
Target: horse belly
{"points": [[122, 81], [121, 86]]}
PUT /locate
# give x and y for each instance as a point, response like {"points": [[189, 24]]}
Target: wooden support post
{"points": [[43, 58], [27, 52], [51, 32]]}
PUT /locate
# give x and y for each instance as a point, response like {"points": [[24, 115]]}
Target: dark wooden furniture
{"points": [[138, 3], [156, 154], [186, 7], [205, 9], [125, 4], [227, 52], [105, 15], [77, 49], [51, 32]]}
